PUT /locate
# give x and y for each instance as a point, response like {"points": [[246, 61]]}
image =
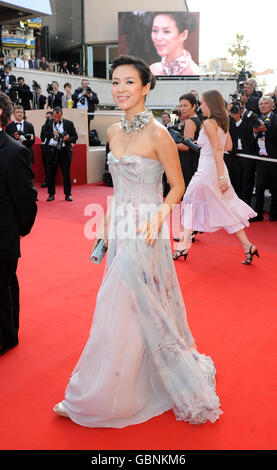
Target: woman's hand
{"points": [[223, 185], [150, 231]]}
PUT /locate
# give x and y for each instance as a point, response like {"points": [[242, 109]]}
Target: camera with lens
{"points": [[179, 139], [36, 85], [50, 89], [16, 86], [177, 112], [25, 138], [242, 76], [256, 121], [58, 137], [236, 100], [88, 90]]}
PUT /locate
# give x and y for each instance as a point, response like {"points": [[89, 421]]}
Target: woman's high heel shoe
{"points": [[59, 410], [249, 255], [178, 253]]}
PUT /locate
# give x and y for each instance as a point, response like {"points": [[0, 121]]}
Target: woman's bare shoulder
{"points": [[210, 125], [112, 129], [158, 129]]}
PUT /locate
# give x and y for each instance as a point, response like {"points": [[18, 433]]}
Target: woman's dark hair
{"points": [[7, 108], [67, 84], [189, 97], [183, 20], [143, 69], [216, 105]]}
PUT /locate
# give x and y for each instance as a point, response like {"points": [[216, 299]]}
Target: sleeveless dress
{"points": [[140, 359], [204, 208], [189, 159]]}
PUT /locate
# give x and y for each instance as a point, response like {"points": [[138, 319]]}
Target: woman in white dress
{"points": [[210, 202], [140, 359]]}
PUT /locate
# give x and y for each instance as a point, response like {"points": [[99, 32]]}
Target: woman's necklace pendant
{"points": [[138, 122]]}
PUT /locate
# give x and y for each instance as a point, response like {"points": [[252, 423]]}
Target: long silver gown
{"points": [[140, 359]]}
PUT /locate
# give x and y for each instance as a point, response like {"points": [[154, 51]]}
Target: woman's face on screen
{"points": [[166, 37]]}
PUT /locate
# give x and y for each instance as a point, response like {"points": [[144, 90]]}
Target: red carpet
{"points": [[231, 311]]}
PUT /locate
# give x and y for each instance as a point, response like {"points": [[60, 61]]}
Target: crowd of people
{"points": [[252, 124], [253, 129], [31, 97], [31, 62], [54, 150]]}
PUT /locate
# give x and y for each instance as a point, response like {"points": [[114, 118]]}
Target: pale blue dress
{"points": [[140, 359]]}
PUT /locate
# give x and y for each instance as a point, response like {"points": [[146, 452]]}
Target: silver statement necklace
{"points": [[139, 121]]}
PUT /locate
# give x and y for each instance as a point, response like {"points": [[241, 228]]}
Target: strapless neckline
{"points": [[132, 155]]}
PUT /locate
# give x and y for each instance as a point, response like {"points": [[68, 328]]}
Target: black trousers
{"points": [[247, 179], [9, 303], [44, 160], [233, 166], [266, 179], [54, 159]]}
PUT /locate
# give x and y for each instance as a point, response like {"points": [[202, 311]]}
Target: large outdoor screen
{"points": [[167, 41]]}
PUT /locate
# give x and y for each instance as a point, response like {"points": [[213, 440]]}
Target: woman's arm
{"points": [[189, 133], [228, 144], [102, 232], [168, 156], [211, 128]]}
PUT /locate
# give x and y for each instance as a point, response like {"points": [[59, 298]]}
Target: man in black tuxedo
{"points": [[24, 94], [243, 170], [60, 134], [7, 84], [55, 97], [17, 215], [22, 130], [266, 137]]}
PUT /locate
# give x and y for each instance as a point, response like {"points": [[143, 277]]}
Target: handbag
{"points": [[99, 252]]}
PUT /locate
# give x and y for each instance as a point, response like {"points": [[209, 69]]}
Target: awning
{"points": [[18, 10]]}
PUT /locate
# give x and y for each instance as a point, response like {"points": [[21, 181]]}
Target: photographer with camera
{"points": [[251, 101], [38, 100], [266, 137], [24, 94], [84, 97], [22, 130], [7, 82], [55, 96], [60, 134], [241, 170]]}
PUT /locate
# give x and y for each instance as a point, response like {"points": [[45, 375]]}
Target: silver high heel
{"points": [[59, 410]]}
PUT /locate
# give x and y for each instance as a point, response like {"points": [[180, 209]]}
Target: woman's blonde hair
{"points": [[216, 105]]}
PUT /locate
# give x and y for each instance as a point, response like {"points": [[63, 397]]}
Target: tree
{"points": [[239, 50]]}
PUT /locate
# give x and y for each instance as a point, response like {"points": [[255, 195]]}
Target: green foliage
{"points": [[239, 50]]}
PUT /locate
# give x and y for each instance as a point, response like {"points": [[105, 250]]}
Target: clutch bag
{"points": [[99, 252]]}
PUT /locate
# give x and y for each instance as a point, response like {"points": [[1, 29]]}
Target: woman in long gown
{"points": [[210, 202], [140, 359]]}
